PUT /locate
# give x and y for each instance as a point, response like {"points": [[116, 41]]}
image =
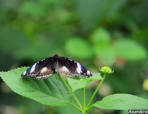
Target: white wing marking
{"points": [[78, 68], [33, 68]]}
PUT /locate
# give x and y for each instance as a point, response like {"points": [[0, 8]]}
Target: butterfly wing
{"points": [[62, 65], [40, 70], [67, 66]]}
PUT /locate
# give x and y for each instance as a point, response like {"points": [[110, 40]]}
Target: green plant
{"points": [[56, 91]]}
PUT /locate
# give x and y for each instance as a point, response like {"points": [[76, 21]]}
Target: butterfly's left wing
{"points": [[40, 70], [67, 66]]}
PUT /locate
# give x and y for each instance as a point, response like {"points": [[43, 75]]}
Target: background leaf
{"points": [[49, 92], [122, 102], [101, 37], [78, 47], [102, 47], [130, 50]]}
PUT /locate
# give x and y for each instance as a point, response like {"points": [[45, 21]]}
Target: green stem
{"points": [[84, 108], [84, 112], [96, 90], [83, 97], [74, 96], [89, 107]]}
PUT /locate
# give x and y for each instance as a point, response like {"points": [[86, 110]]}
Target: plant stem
{"points": [[89, 107], [74, 96], [84, 112], [83, 97], [84, 108], [96, 90]]}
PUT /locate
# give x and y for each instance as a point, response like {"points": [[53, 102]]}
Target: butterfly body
{"points": [[56, 64]]}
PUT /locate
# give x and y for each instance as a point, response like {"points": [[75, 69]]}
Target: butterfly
{"points": [[56, 64]]}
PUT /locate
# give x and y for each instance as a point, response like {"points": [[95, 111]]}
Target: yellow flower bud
{"points": [[106, 70], [145, 84]]}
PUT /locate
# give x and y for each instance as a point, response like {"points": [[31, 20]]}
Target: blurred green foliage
{"points": [[77, 47], [94, 32]]}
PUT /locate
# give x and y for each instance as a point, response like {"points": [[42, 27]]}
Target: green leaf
{"points": [[78, 47], [122, 102], [83, 82], [101, 37], [48, 92], [130, 50], [102, 47]]}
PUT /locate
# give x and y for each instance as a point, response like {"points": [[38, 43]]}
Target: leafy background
{"points": [[94, 32]]}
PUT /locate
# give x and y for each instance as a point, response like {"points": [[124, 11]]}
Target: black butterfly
{"points": [[56, 64]]}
